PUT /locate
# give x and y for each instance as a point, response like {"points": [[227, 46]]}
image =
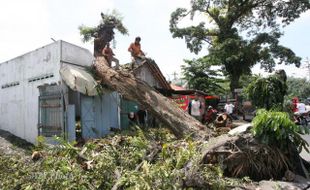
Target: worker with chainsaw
{"points": [[137, 54], [109, 56]]}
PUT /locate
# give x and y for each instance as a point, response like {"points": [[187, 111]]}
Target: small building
{"points": [[150, 73], [19, 81], [46, 91]]}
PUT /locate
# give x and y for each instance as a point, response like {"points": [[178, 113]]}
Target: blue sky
{"points": [[27, 25]]}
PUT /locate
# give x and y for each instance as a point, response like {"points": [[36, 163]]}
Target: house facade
{"points": [[20, 78], [47, 91]]}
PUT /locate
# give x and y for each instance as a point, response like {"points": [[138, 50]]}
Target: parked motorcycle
{"points": [[302, 119]]}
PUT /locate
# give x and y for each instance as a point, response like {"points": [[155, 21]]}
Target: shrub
{"points": [[268, 92], [276, 128]]}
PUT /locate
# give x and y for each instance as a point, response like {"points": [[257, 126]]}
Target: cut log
{"points": [[162, 108]]}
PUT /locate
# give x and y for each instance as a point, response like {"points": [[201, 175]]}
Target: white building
{"points": [[20, 78], [46, 91]]}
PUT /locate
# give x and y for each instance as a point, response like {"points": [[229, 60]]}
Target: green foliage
{"points": [[298, 87], [87, 32], [111, 20], [41, 143], [276, 128], [62, 166], [267, 92], [228, 21], [246, 80], [201, 77]]}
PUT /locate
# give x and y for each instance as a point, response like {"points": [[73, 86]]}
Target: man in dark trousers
{"points": [[141, 116], [109, 55]]}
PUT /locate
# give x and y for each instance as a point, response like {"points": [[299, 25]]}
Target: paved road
{"points": [[305, 154]]}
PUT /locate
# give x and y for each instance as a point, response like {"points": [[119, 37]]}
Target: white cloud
{"points": [[27, 25], [23, 27]]}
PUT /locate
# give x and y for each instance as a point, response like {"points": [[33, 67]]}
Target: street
{"points": [[305, 154]]}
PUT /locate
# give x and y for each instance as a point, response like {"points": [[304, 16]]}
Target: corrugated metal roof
{"points": [[153, 67]]}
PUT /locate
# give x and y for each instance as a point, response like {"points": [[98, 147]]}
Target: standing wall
{"points": [[19, 81]]}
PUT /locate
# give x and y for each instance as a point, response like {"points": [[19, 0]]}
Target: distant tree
{"points": [[199, 76], [246, 80], [240, 34], [268, 92], [299, 87], [104, 32]]}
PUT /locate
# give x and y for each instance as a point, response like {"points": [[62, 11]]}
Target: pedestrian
{"points": [[210, 115], [194, 108], [141, 116], [229, 109], [132, 118], [137, 55], [109, 56], [301, 108]]}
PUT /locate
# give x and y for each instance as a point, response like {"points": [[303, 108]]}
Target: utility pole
{"points": [[175, 74]]}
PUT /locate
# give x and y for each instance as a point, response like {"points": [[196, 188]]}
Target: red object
{"points": [[295, 101], [210, 116], [181, 100], [206, 97]]}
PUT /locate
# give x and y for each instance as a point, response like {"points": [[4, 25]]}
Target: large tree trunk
{"points": [[234, 83], [179, 122]]}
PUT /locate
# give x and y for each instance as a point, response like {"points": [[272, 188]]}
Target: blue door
{"points": [[110, 108], [99, 114], [88, 117]]}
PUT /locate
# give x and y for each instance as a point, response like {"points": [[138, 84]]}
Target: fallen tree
{"points": [[179, 122], [230, 153], [164, 109], [241, 156]]}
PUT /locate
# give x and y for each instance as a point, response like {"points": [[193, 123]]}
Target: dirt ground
{"points": [[12, 145]]}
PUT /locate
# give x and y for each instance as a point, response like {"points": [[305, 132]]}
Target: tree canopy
{"points": [[104, 32], [298, 87], [200, 76], [239, 34]]}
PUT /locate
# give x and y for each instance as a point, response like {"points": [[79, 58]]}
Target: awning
{"points": [[79, 80]]}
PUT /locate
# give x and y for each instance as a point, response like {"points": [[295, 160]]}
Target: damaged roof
{"points": [[154, 69], [78, 79]]}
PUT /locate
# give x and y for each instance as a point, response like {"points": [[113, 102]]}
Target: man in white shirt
{"points": [[229, 109], [301, 107], [194, 108]]}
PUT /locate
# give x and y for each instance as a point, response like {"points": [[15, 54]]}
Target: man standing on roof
{"points": [[137, 54], [109, 56]]}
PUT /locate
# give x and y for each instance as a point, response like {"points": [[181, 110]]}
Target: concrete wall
{"points": [[75, 54], [146, 75], [19, 79]]}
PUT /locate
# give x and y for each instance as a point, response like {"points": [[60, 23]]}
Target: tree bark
{"points": [[162, 108], [234, 83]]}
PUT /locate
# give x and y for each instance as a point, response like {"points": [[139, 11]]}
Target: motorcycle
{"points": [[302, 119]]}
